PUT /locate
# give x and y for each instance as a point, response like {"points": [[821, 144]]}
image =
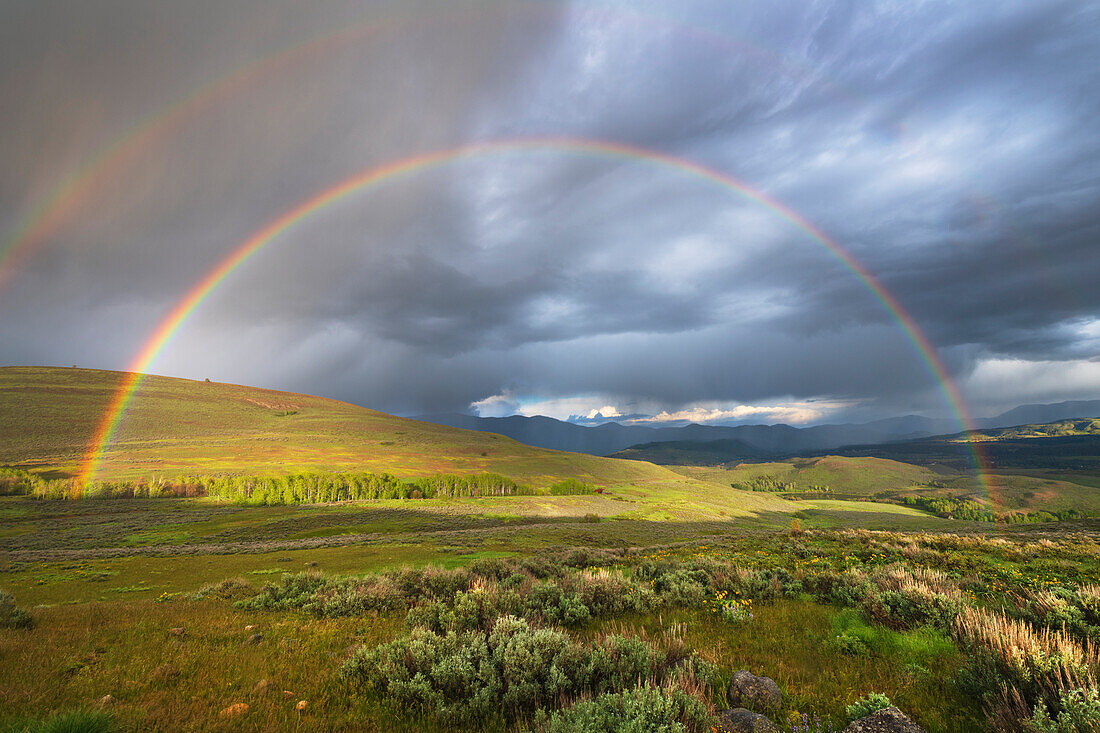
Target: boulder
{"points": [[752, 692], [255, 639], [262, 687], [179, 632], [740, 720], [887, 720]]}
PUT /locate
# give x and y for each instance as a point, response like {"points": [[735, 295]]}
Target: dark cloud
{"points": [[950, 147]]}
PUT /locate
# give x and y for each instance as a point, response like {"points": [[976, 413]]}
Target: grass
{"points": [[886, 480], [82, 648], [851, 476], [178, 426], [107, 580], [80, 654]]}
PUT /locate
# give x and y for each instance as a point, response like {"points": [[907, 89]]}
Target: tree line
{"points": [[300, 488]]}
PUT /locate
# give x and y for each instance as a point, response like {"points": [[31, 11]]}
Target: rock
{"points": [[887, 720], [740, 720], [752, 692], [165, 672], [107, 700], [288, 694], [255, 639], [234, 711], [262, 687], [302, 705], [250, 627], [179, 632]]}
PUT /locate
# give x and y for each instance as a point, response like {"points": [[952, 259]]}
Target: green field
{"points": [[833, 594]]}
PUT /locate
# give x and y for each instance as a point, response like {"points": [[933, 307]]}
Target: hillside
{"points": [[1068, 445], [178, 426], [695, 452], [1060, 429], [848, 476]]}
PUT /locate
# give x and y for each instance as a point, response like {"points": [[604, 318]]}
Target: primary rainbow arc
{"points": [[377, 174]]}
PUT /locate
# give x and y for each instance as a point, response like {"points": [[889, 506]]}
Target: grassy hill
{"points": [[693, 452], [178, 426], [845, 476], [1060, 429], [883, 479]]}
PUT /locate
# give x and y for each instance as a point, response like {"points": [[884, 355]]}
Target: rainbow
{"points": [[137, 370], [83, 184]]}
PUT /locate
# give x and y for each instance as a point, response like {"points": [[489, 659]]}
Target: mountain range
{"points": [[753, 440]]}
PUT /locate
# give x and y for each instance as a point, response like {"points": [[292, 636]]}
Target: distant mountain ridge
{"points": [[611, 437], [1065, 445]]}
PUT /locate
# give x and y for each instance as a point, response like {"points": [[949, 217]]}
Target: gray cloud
{"points": [[950, 147]]}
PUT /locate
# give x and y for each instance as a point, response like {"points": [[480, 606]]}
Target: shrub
{"points": [[226, 590], [293, 591], [645, 710], [899, 597], [1015, 668], [849, 644], [12, 617], [605, 593], [511, 669], [351, 598], [1078, 712], [866, 705]]}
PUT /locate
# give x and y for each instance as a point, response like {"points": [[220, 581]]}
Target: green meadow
{"points": [[637, 601]]}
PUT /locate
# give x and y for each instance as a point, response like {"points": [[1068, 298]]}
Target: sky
{"points": [[949, 151]]}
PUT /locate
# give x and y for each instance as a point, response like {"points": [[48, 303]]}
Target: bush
{"points": [[849, 644], [12, 617], [511, 669], [1078, 712], [227, 590], [645, 710], [293, 591], [1015, 668], [864, 706]]}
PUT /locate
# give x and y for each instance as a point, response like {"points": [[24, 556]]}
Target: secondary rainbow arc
{"points": [[83, 183], [119, 402]]}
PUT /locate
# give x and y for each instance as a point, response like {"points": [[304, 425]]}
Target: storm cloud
{"points": [[951, 148]]}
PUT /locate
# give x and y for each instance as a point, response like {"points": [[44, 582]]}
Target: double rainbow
{"points": [[379, 174]]}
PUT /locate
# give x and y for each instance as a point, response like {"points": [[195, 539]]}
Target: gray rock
{"points": [[255, 639], [752, 692], [887, 720], [740, 720]]}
